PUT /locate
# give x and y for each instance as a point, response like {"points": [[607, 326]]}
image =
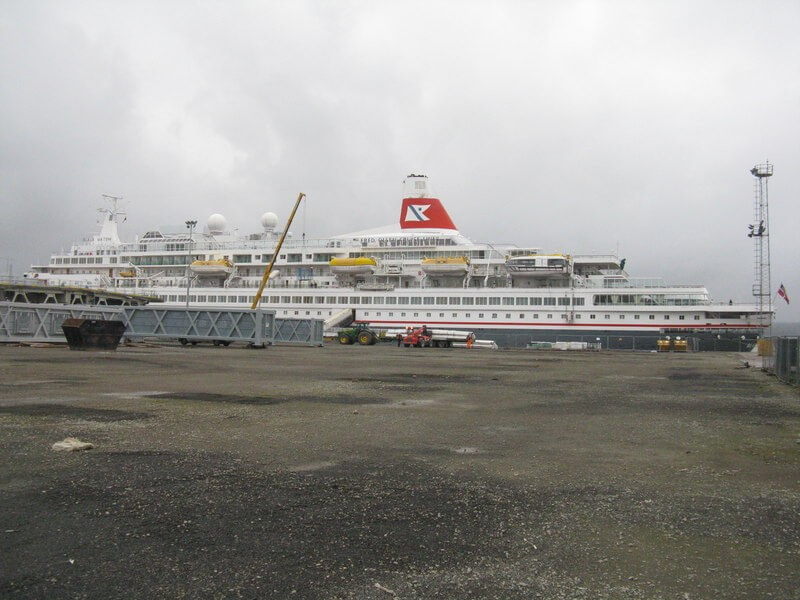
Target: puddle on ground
{"points": [[63, 411]]}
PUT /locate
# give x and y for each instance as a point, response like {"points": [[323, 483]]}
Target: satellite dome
{"points": [[216, 223], [269, 220]]}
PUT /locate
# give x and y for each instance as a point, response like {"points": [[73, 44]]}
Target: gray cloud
{"points": [[574, 126]]}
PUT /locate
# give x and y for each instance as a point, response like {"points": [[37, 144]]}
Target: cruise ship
{"points": [[421, 270]]}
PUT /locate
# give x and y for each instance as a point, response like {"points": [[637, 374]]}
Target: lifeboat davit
{"points": [[456, 265], [221, 266], [354, 266]]}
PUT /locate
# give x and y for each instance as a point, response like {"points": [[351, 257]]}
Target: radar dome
{"points": [[269, 220], [216, 223]]}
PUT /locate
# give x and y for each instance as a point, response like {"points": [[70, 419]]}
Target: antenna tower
{"points": [[759, 231]]}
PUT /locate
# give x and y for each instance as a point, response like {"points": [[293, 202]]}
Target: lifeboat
{"points": [[456, 265], [127, 273], [221, 266], [353, 266]]}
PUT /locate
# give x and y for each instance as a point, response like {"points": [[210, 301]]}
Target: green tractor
{"points": [[360, 332]]}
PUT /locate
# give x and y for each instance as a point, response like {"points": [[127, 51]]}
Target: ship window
{"points": [[173, 298], [549, 315], [297, 299], [508, 315], [578, 301], [494, 315], [563, 301], [319, 299], [455, 301], [549, 301], [402, 314], [308, 313], [565, 316], [480, 300], [330, 300], [297, 312], [592, 316], [468, 301], [416, 314], [455, 315], [427, 314], [354, 299], [480, 315], [522, 301], [697, 317], [508, 301], [319, 313], [243, 299], [342, 299], [622, 317], [274, 299], [468, 315], [391, 300], [416, 300], [652, 317], [286, 299], [681, 317], [607, 317], [521, 315], [535, 315], [391, 314], [577, 316], [201, 299], [377, 299], [666, 317], [181, 298], [635, 317], [441, 300], [494, 300], [366, 300], [536, 301], [231, 298], [441, 314], [402, 300]]}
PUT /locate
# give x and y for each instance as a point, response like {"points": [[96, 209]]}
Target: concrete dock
{"points": [[383, 472]]}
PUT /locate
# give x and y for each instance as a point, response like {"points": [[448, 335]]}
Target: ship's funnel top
{"points": [[420, 210], [417, 186]]}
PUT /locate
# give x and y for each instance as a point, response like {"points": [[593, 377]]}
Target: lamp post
{"points": [[190, 226]]}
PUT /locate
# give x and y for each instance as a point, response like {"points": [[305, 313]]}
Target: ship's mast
{"points": [[759, 231], [111, 214]]}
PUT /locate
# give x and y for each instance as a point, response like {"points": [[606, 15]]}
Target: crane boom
{"points": [[264, 279]]}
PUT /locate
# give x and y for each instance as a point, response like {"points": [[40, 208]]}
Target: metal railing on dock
{"points": [[783, 359]]}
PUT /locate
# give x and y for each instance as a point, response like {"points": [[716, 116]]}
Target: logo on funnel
{"points": [[427, 213]]}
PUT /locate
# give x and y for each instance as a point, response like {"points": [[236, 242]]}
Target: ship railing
{"points": [[11, 280]]}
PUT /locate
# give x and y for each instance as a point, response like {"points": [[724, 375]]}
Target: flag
{"points": [[782, 293]]}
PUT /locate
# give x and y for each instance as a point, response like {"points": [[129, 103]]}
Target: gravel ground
{"points": [[384, 472]]}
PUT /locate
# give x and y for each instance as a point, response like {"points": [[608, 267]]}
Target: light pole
{"points": [[190, 226]]}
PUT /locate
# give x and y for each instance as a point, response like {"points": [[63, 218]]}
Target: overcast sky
{"points": [[574, 126]]}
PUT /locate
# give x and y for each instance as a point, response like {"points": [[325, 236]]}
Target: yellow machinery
{"points": [[663, 345]]}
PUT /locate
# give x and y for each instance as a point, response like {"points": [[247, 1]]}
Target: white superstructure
{"points": [[421, 270]]}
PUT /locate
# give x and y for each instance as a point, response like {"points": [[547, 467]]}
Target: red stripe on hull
{"points": [[558, 325]]}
